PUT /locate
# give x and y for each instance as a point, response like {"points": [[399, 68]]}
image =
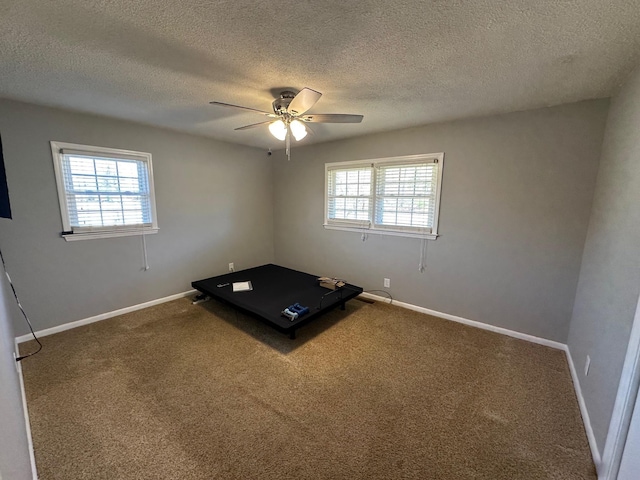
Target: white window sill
{"points": [[373, 231], [72, 237]]}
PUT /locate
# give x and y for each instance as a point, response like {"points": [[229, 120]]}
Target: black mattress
{"points": [[274, 289]]}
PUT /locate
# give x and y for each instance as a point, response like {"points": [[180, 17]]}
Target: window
{"points": [[393, 196], [104, 192]]}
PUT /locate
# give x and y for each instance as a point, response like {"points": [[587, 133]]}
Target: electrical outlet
{"points": [[587, 364], [387, 283], [231, 268]]}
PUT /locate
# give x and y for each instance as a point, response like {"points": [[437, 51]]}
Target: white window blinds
{"points": [[104, 190], [391, 196], [349, 193], [406, 195]]}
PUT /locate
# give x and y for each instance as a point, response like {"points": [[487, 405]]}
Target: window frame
{"points": [[84, 233], [370, 226]]}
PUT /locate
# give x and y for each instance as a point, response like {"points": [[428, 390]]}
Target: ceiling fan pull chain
{"points": [[288, 143]]}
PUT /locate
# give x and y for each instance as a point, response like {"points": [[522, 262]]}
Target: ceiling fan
{"points": [[289, 119]]}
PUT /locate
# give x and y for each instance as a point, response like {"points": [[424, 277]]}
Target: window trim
{"points": [[101, 232], [369, 226]]}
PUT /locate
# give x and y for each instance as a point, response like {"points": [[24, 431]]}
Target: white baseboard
{"points": [[473, 323], [27, 422], [595, 452], [103, 316]]}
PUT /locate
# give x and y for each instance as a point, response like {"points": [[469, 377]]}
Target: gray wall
{"points": [[609, 283], [516, 197], [214, 205], [515, 210], [15, 462]]}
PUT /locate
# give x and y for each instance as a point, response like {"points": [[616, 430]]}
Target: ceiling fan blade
{"points": [[244, 108], [303, 101], [253, 125], [332, 118]]}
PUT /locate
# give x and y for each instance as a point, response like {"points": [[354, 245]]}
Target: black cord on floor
{"points": [[24, 314], [383, 291], [346, 286]]}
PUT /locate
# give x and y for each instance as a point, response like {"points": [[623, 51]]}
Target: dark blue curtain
{"points": [[5, 207]]}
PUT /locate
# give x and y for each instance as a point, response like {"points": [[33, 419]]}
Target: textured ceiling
{"points": [[400, 63]]}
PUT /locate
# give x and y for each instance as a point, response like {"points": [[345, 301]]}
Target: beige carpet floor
{"points": [[179, 391]]}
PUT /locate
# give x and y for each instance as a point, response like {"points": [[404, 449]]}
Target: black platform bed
{"points": [[274, 289]]}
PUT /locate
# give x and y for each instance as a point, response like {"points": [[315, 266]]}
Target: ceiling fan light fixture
{"points": [[278, 129], [298, 130], [290, 115]]}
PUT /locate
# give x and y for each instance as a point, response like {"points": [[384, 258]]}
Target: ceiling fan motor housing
{"points": [[280, 105]]}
